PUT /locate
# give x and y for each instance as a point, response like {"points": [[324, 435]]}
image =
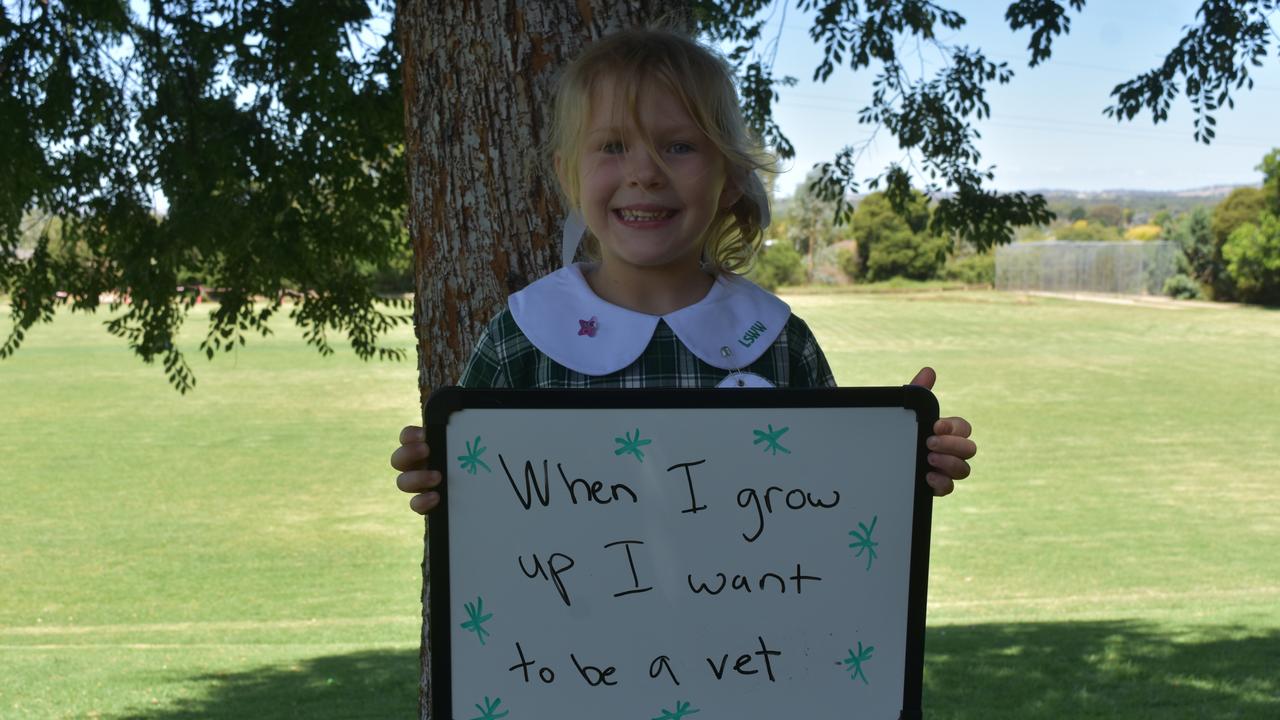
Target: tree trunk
{"points": [[483, 210]]}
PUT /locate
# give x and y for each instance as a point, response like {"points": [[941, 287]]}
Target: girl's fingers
{"points": [[925, 378], [416, 481], [963, 448], [952, 466], [412, 456], [412, 434], [953, 426], [941, 484], [424, 503]]}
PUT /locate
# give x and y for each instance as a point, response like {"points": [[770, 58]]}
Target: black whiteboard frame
{"points": [[437, 640]]}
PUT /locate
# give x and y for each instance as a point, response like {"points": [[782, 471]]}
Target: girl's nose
{"points": [[643, 170]]}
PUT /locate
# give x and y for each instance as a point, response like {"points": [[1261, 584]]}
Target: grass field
{"points": [[241, 552]]}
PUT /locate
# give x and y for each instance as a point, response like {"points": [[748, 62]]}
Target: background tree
{"points": [[1270, 169], [810, 224], [1242, 206], [1194, 236], [1107, 214], [903, 254], [484, 212], [778, 264], [893, 244], [1144, 232], [1246, 243], [1085, 231], [1252, 254]]}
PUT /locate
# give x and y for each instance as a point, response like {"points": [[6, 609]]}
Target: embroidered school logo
{"points": [[588, 327], [756, 330]]}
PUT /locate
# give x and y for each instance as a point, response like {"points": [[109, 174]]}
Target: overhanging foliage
{"points": [[273, 130]]}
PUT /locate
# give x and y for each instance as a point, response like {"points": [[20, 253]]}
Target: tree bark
{"points": [[484, 213]]}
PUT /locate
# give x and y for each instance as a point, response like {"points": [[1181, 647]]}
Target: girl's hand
{"points": [[949, 446], [411, 459]]}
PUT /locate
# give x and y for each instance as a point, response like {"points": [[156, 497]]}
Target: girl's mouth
{"points": [[643, 218]]}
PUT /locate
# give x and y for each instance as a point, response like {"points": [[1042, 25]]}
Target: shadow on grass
{"points": [[1108, 669], [371, 684]]}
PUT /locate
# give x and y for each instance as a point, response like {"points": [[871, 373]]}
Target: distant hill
{"points": [[1144, 203], [1212, 194], [1218, 191], [1119, 196]]}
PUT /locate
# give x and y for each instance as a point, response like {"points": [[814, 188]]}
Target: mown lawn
{"points": [[241, 552]]}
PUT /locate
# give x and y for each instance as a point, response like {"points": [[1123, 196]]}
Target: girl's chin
{"points": [[638, 259]]}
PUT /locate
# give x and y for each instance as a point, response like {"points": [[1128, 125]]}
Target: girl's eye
{"points": [[613, 147], [680, 148]]}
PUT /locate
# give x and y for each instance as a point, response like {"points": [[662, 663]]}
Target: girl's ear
{"points": [[730, 194], [562, 173]]}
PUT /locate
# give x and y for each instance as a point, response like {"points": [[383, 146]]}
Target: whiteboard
{"points": [[678, 554]]}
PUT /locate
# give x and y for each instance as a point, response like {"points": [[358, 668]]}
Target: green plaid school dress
{"points": [[505, 358]]}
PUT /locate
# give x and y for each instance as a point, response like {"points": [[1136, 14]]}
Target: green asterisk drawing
{"points": [[855, 662], [682, 709], [631, 446], [490, 710], [472, 459], [865, 543], [477, 621], [771, 438]]}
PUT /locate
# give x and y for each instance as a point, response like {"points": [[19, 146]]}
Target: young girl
{"points": [[652, 154]]}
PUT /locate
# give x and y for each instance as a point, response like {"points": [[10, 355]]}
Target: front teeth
{"points": [[643, 215]]}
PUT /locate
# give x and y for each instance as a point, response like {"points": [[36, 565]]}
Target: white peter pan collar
{"points": [[729, 329]]}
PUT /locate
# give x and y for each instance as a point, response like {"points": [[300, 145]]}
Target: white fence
{"points": [[1132, 268]]}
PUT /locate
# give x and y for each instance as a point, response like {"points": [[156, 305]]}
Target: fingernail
{"points": [[932, 442]]}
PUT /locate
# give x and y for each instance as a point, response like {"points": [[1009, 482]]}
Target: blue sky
{"points": [[1047, 130]]}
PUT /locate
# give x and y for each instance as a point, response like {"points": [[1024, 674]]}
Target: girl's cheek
{"points": [[587, 173], [594, 165]]}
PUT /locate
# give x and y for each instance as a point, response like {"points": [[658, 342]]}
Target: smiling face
{"points": [[650, 183]]}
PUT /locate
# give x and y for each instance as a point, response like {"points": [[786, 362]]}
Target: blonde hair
{"points": [[703, 82]]}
